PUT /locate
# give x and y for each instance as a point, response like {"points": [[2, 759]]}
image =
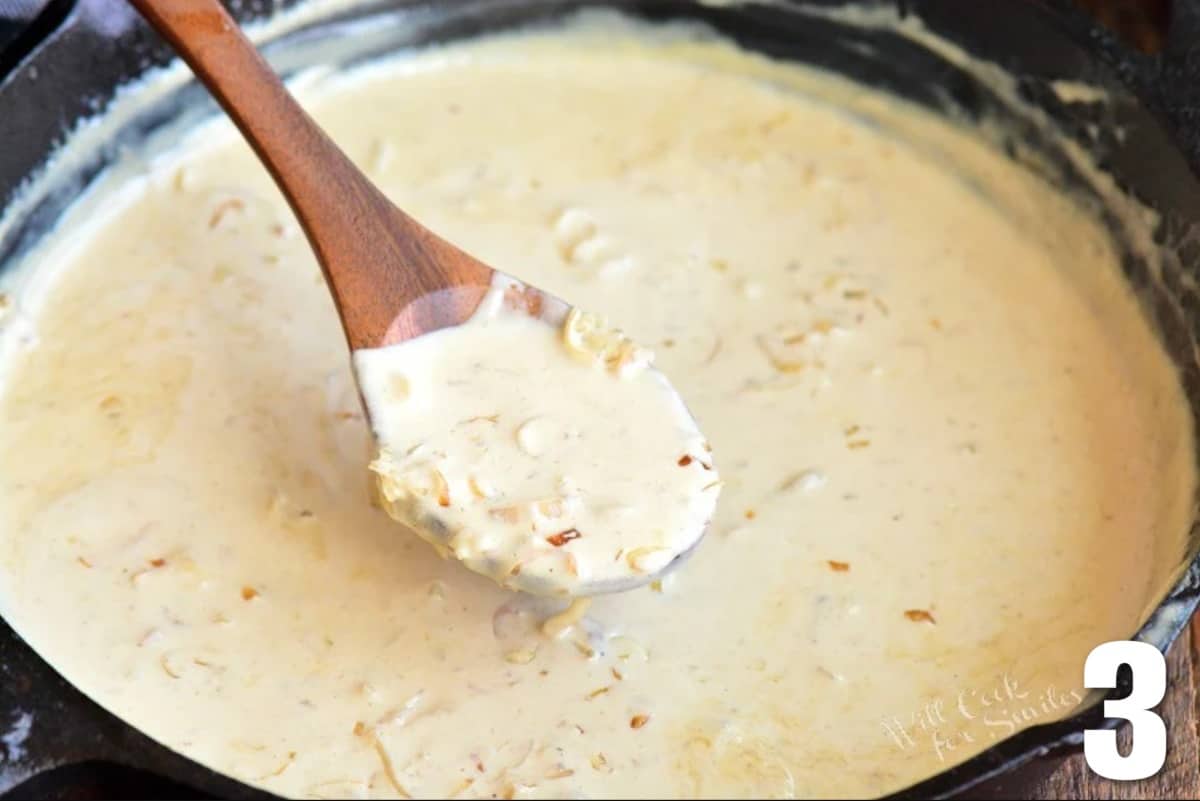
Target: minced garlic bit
{"points": [[589, 337], [855, 438], [287, 763], [481, 487], [183, 179], [399, 387], [553, 509], [558, 625], [648, 559], [168, 663], [520, 656], [221, 210], [804, 481]]}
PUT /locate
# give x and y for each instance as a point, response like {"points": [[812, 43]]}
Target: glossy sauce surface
{"points": [[952, 447]]}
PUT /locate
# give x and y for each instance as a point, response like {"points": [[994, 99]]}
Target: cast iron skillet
{"points": [[63, 60]]}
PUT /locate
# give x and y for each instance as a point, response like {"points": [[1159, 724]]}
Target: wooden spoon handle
{"points": [[376, 259]]}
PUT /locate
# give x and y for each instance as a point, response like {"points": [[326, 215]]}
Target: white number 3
{"points": [[1149, 750]]}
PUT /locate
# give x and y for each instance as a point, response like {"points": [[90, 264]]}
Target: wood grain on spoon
{"points": [[392, 278]]}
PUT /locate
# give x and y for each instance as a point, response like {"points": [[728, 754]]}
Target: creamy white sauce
{"points": [[953, 452], [546, 454]]}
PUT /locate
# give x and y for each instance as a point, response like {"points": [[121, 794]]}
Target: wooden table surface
{"points": [[1180, 776]]}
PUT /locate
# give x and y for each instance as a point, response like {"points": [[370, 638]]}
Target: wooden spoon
{"points": [[391, 278]]}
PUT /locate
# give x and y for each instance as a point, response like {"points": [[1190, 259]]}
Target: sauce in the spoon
{"points": [[550, 456]]}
